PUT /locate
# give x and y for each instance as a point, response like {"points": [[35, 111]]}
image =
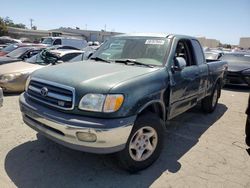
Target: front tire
{"points": [[209, 103], [144, 143]]}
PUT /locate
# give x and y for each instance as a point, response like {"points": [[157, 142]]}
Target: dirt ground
{"points": [[200, 151]]}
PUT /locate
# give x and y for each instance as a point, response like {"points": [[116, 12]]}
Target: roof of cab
{"points": [[164, 35]]}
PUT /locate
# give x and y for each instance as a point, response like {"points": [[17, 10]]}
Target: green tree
{"points": [[3, 28], [10, 23]]}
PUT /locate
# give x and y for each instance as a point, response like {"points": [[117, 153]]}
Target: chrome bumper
{"points": [[111, 134]]}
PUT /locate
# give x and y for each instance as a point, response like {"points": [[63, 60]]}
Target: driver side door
{"points": [[185, 82]]}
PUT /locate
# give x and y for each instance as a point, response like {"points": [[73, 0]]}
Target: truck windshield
{"points": [[146, 50]]}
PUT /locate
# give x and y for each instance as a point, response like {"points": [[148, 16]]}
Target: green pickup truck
{"points": [[119, 100]]}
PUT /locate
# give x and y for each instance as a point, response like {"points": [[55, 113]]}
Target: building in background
{"points": [[89, 35], [210, 43], [33, 35], [244, 42], [36, 35]]}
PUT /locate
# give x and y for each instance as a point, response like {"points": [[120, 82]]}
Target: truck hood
{"points": [[91, 76], [19, 67]]}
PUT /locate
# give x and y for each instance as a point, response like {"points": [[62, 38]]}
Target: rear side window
{"points": [[57, 42], [198, 52], [68, 57]]}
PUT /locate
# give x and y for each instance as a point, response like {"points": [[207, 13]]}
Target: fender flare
{"points": [[162, 105]]}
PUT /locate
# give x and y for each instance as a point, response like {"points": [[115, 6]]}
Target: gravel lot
{"points": [[200, 150]]}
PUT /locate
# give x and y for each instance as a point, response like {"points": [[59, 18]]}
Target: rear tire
{"points": [[209, 103], [144, 143]]}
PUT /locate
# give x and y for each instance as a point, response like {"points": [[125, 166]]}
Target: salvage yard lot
{"points": [[200, 150]]}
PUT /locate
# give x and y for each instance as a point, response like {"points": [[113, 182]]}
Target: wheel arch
{"points": [[155, 106]]}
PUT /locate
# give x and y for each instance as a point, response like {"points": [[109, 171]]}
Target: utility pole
{"points": [[86, 26], [31, 23], [105, 27]]}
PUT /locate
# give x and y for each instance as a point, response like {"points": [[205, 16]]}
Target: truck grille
{"points": [[52, 94]]}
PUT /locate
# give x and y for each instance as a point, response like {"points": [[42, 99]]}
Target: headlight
{"points": [[101, 103], [27, 83], [9, 77], [246, 72], [92, 102], [247, 78]]}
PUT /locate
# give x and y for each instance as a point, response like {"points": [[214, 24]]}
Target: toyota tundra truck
{"points": [[120, 99]]}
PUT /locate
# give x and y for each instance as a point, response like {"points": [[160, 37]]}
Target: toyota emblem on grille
{"points": [[44, 91]]}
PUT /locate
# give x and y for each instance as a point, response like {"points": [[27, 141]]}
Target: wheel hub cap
{"points": [[143, 143]]}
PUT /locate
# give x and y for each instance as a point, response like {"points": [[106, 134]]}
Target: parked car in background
{"points": [[13, 76], [1, 97], [74, 42], [59, 47], [120, 99], [12, 47], [20, 54], [238, 69], [95, 45], [209, 55], [5, 41]]}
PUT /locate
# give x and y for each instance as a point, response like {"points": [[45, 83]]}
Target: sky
{"points": [[224, 20]]}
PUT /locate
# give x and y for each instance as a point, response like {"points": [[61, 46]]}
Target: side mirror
{"points": [[179, 64]]}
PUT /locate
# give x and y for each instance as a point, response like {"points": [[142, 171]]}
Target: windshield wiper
{"points": [[132, 62], [100, 59]]}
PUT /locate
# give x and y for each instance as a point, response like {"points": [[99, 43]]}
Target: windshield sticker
{"points": [[155, 42]]}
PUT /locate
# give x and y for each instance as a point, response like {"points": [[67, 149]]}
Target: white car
{"points": [[73, 42]]}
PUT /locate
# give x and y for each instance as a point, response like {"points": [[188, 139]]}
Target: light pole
{"points": [[31, 23]]}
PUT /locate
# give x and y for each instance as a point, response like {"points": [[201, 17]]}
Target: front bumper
{"points": [[112, 134]]}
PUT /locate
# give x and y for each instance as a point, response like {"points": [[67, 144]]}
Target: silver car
{"points": [[13, 76]]}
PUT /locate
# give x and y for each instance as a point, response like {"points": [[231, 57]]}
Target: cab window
{"points": [[198, 52], [68, 57], [57, 42], [184, 49]]}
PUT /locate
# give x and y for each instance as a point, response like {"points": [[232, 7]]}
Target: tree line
{"points": [[7, 22]]}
